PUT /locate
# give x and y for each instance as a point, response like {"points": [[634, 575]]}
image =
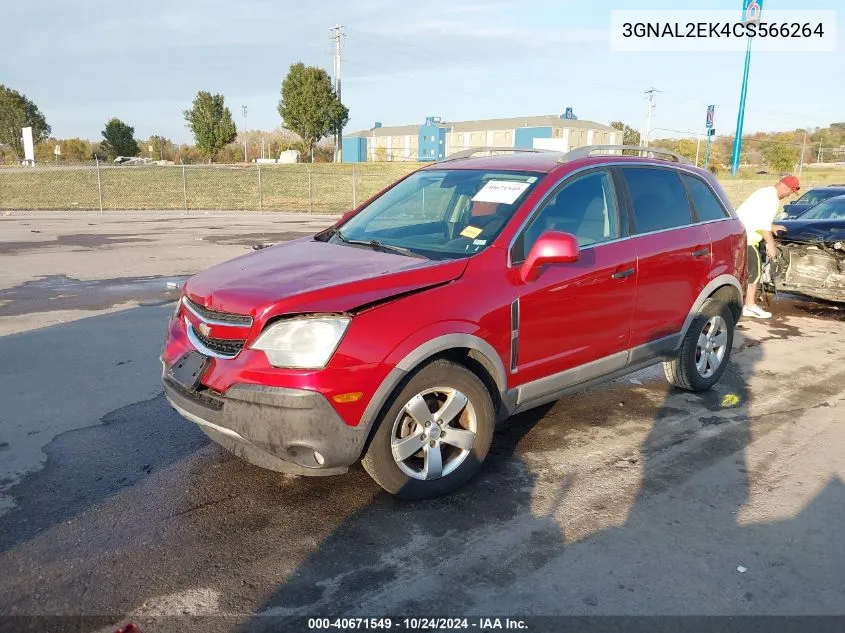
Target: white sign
{"points": [[711, 31], [501, 191], [28, 145], [58, 150]]}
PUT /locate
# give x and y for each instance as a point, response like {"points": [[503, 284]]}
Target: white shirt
{"points": [[758, 213]]}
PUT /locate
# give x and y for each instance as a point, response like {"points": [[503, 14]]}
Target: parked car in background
{"points": [[812, 197], [811, 252], [472, 289], [132, 160]]}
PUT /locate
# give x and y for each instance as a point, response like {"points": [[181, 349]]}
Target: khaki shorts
{"points": [[755, 264]]}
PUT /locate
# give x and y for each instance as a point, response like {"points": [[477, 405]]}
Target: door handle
{"points": [[701, 253], [624, 273]]}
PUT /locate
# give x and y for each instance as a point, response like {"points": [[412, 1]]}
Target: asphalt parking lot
{"points": [[629, 499]]}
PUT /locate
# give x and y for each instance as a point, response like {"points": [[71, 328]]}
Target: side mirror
{"points": [[552, 247]]}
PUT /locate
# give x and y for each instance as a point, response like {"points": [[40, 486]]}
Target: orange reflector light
{"points": [[355, 396]]}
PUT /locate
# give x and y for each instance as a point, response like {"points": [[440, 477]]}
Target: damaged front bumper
{"points": [[814, 270], [292, 431]]}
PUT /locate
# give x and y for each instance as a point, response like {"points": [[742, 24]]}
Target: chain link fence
{"points": [[738, 190], [308, 188]]}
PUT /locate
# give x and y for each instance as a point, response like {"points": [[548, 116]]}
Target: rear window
{"points": [[658, 198], [707, 206]]}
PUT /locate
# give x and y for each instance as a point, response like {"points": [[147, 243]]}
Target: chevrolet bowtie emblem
{"points": [[204, 329]]}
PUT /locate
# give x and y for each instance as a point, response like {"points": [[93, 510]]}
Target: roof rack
{"points": [[589, 150], [467, 153]]}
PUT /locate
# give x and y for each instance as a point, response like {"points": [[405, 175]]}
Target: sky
{"points": [[85, 61]]}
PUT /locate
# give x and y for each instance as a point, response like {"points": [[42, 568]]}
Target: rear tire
{"points": [[705, 350], [415, 453]]}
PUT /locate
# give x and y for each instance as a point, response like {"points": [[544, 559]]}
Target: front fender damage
{"points": [[812, 269]]}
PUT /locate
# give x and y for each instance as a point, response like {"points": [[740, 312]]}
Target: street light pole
{"points": [[751, 10]]}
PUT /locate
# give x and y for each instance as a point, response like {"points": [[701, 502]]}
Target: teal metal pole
{"points": [[740, 119], [707, 153]]}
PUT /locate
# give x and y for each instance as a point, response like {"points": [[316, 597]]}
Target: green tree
{"points": [[779, 155], [630, 136], [163, 148], [211, 123], [309, 105], [75, 150], [119, 139], [16, 113]]}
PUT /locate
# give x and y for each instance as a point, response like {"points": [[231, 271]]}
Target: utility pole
{"points": [[337, 36], [820, 153], [649, 95], [243, 110], [803, 147]]}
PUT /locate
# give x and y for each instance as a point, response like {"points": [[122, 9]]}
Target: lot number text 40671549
{"points": [[417, 624]]}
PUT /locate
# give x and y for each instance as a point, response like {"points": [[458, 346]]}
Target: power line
{"points": [[526, 75]]}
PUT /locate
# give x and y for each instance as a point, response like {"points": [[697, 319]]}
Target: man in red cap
{"points": [[758, 214]]}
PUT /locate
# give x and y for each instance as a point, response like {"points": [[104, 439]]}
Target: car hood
{"points": [[812, 230], [310, 276]]}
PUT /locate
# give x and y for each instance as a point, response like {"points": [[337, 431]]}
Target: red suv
{"points": [[470, 290]]}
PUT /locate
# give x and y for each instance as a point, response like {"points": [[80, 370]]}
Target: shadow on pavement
{"points": [[681, 550], [59, 382], [140, 516]]}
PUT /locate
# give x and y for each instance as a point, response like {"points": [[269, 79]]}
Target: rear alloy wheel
{"points": [[434, 435], [705, 350]]}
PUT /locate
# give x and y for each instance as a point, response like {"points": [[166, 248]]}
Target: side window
{"points": [[658, 198], [706, 204], [585, 207]]}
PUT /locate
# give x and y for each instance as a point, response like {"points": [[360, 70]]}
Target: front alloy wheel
{"points": [[434, 435]]}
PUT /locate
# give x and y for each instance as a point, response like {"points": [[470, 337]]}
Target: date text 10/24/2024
{"points": [[417, 624]]}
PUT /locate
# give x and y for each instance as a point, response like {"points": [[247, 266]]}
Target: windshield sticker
{"points": [[471, 232], [501, 191], [479, 242]]}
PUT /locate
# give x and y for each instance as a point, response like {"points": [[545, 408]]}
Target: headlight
{"points": [[302, 343]]}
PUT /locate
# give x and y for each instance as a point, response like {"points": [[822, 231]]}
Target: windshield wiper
{"points": [[376, 245]]}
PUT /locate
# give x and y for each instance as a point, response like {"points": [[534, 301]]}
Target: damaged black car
{"points": [[811, 253]]}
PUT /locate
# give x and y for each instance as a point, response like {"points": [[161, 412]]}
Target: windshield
{"points": [[441, 214], [817, 195], [828, 210]]}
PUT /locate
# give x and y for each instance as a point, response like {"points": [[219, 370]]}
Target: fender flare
{"points": [[480, 350], [706, 292]]}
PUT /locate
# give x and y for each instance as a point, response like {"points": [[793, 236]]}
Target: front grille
{"points": [[224, 346], [203, 396], [208, 315]]}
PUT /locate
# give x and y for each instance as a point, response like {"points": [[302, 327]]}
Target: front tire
{"points": [[434, 435], [705, 350]]}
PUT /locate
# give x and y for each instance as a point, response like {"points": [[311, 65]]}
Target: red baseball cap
{"points": [[791, 182]]}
